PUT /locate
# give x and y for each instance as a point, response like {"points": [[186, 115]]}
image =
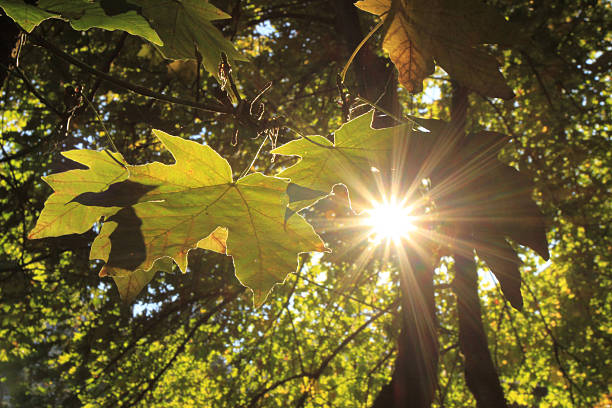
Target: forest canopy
{"points": [[381, 203]]}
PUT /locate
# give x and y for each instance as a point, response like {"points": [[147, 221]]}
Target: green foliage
{"points": [[356, 156], [181, 29], [26, 15], [63, 215], [81, 14], [186, 31]]}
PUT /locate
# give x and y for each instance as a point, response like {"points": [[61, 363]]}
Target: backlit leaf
{"points": [[61, 214], [352, 159], [130, 283], [82, 15], [26, 15]]}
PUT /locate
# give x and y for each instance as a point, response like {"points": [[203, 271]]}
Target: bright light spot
{"points": [[390, 220]]}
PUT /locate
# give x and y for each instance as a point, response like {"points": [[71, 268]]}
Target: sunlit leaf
{"points": [[82, 15], [353, 159], [26, 15], [61, 214], [130, 283]]}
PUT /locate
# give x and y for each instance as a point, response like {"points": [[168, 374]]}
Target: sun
{"points": [[390, 220]]}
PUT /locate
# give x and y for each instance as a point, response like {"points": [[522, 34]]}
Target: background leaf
{"points": [[84, 15], [26, 15]]}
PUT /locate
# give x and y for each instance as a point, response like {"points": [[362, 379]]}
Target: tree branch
{"points": [[141, 90]]}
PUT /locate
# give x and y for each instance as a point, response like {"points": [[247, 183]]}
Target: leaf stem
{"points": [[385, 111], [108, 136], [359, 46], [245, 171]]}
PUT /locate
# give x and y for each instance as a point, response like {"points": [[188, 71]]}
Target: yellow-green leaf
{"points": [[353, 159], [61, 214], [185, 27]]}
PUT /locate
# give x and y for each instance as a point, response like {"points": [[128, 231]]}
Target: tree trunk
{"points": [[415, 376]]}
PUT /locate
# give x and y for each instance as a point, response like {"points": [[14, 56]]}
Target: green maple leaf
{"points": [[449, 33], [61, 214], [353, 159], [82, 15], [473, 190], [161, 211], [130, 283], [185, 26]]}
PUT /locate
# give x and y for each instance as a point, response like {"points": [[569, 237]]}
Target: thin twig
{"points": [[34, 91], [303, 136], [106, 132]]}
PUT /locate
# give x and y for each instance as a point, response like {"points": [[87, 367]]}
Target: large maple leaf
{"points": [[477, 193], [162, 211], [449, 33]]}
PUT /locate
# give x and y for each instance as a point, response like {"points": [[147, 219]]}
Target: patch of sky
{"points": [[265, 29], [147, 308], [431, 94]]}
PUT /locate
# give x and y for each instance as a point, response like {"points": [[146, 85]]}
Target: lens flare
{"points": [[390, 221]]}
